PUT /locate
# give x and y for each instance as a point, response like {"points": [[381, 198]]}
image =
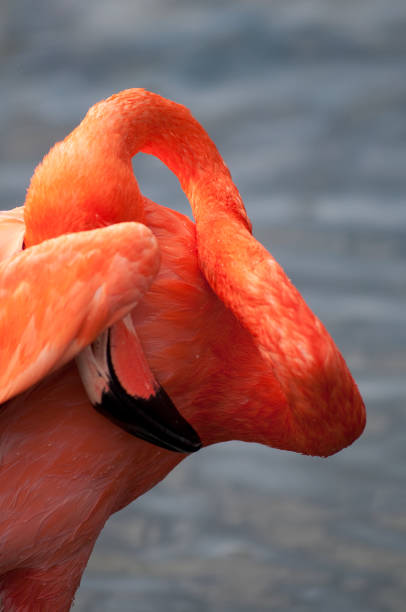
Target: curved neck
{"points": [[95, 162], [323, 402], [140, 121]]}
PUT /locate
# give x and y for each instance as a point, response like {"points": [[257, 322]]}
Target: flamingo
{"points": [[132, 336]]}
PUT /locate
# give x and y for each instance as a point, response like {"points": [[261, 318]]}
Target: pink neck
{"points": [[320, 399]]}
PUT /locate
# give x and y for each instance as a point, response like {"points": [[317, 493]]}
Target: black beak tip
{"points": [[191, 446], [155, 420]]}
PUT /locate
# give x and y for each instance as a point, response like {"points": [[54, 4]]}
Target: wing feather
{"points": [[11, 231], [56, 297]]}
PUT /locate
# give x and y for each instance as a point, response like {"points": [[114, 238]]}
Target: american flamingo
{"points": [[202, 308]]}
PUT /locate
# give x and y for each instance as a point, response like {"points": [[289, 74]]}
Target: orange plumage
{"points": [[214, 320]]}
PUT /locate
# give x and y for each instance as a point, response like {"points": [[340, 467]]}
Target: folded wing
{"points": [[58, 296]]}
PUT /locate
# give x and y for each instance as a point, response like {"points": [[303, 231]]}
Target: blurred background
{"points": [[306, 101]]}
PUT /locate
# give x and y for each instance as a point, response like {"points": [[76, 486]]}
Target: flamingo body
{"points": [[213, 320]]}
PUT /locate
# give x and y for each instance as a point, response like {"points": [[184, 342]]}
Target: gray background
{"points": [[306, 101]]}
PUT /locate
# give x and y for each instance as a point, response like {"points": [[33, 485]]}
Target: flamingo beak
{"points": [[121, 386], [154, 419]]}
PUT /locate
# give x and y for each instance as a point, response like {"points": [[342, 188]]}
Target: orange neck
{"points": [[81, 184], [323, 408], [87, 181]]}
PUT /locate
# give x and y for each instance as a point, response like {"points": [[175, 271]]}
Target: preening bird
{"points": [[131, 336]]}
